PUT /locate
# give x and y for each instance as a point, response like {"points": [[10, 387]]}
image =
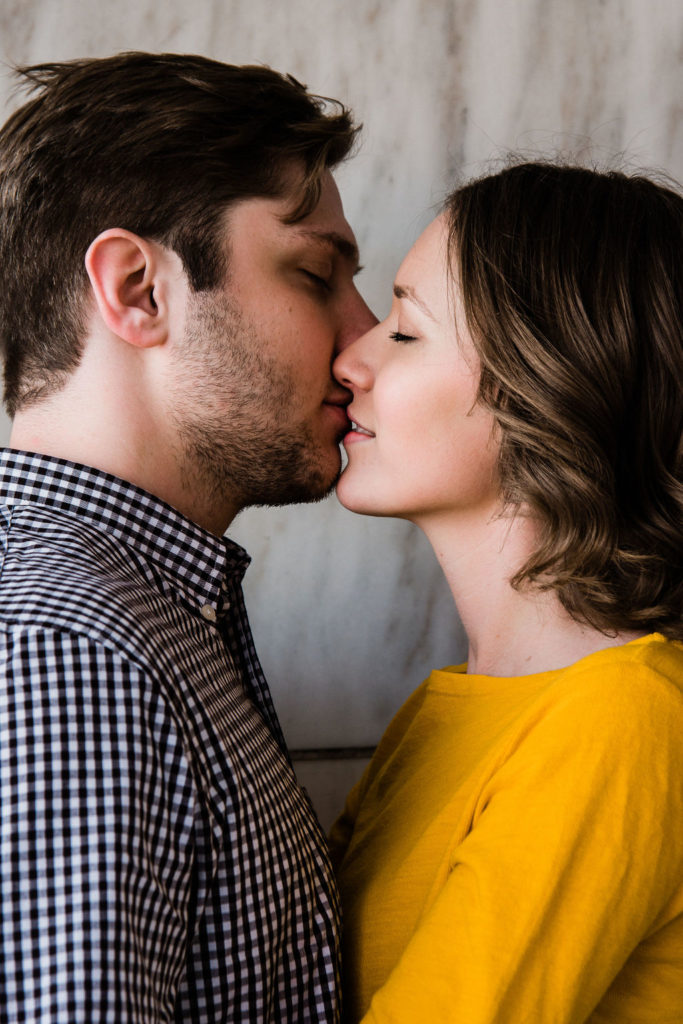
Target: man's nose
{"points": [[360, 321]]}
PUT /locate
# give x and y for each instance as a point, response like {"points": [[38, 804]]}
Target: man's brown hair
{"points": [[572, 282], [159, 144]]}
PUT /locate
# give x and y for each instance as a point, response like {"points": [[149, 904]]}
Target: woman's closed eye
{"points": [[398, 336]]}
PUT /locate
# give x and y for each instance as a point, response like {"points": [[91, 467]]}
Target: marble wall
{"points": [[349, 614]]}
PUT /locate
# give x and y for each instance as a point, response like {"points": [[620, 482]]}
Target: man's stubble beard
{"points": [[229, 401]]}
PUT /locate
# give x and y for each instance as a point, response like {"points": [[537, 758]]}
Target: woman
{"points": [[514, 852]]}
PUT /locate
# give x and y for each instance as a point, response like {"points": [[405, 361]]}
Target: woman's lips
{"points": [[358, 433]]}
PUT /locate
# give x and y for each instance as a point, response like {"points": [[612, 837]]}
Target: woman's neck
{"points": [[510, 632]]}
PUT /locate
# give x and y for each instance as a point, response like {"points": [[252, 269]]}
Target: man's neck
{"points": [[120, 442]]}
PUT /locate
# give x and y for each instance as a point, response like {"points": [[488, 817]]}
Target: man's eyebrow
{"points": [[404, 291], [348, 250]]}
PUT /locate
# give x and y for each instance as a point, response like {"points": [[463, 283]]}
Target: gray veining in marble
{"points": [[351, 613]]}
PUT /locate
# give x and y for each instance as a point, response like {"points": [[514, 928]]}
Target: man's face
{"points": [[259, 414]]}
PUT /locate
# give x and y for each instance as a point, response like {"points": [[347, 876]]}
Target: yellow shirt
{"points": [[514, 851]]}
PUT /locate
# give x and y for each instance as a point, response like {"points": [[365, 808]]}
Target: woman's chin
{"points": [[355, 504], [353, 498], [362, 501]]}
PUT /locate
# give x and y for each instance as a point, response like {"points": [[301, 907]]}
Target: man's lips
{"points": [[338, 411]]}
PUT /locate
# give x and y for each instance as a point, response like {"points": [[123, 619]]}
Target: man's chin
{"points": [[298, 482], [305, 493]]}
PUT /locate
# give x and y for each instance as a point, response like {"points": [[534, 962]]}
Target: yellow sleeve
{"points": [[575, 857]]}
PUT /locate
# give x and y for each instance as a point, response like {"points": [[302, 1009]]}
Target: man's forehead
{"points": [[266, 218], [344, 244], [326, 224]]}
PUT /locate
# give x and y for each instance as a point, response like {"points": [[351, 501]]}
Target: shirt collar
{"points": [[197, 562]]}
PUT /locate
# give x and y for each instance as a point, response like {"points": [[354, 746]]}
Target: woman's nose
{"points": [[353, 366]]}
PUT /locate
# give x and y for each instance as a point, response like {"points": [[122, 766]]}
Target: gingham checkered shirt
{"points": [[158, 861]]}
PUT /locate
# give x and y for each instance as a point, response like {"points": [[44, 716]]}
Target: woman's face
{"points": [[422, 448]]}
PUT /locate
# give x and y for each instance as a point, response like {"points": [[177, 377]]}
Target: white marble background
{"points": [[349, 614]]}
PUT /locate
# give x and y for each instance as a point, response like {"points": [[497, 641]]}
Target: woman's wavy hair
{"points": [[161, 144], [572, 281]]}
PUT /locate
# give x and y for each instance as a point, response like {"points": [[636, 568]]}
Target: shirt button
{"points": [[208, 612]]}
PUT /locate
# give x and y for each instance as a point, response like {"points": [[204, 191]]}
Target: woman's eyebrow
{"points": [[404, 291]]}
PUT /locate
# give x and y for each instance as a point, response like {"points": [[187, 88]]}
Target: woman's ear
{"points": [[122, 268]]}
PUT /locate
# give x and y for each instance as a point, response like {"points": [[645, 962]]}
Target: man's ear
{"points": [[123, 268]]}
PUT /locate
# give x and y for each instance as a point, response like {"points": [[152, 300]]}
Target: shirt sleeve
{"points": [[96, 836], [575, 856]]}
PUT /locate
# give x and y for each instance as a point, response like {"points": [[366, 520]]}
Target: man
{"points": [[177, 278]]}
